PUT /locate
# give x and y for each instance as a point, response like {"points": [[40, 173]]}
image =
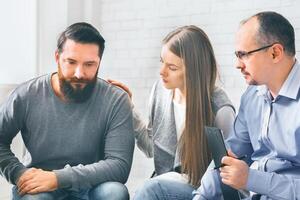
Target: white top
{"points": [[179, 114]]}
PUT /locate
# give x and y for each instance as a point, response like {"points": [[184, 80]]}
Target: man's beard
{"points": [[76, 93]]}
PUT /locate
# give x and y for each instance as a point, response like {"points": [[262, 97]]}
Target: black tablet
{"points": [[217, 147], [216, 144]]}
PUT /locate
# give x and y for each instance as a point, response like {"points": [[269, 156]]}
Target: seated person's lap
{"points": [[108, 190], [157, 188]]}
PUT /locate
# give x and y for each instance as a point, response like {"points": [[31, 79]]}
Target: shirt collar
{"points": [[261, 90], [290, 87]]}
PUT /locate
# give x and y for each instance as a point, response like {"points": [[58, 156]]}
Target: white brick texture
{"points": [[134, 29]]}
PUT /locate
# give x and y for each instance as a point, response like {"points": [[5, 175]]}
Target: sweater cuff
{"points": [[64, 178], [18, 173], [258, 181]]}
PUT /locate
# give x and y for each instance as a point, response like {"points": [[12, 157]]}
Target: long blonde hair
{"points": [[192, 45]]}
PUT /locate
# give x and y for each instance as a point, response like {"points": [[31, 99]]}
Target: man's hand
{"points": [[235, 172], [35, 181]]}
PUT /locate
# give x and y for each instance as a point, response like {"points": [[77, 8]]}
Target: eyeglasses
{"points": [[244, 54]]}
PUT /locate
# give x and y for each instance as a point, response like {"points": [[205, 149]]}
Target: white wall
{"points": [[17, 39]]}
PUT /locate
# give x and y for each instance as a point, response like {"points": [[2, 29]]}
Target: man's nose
{"points": [[79, 72], [239, 64]]}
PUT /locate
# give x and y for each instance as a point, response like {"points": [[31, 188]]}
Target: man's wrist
{"points": [[54, 180], [63, 178], [18, 173]]}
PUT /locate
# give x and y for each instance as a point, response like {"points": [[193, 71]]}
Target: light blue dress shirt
{"points": [[267, 130]]}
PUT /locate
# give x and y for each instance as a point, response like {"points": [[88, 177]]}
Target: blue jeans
{"points": [[108, 190], [159, 189]]}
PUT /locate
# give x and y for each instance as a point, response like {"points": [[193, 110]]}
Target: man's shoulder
{"points": [[31, 86], [106, 89], [251, 91], [252, 95], [110, 97]]}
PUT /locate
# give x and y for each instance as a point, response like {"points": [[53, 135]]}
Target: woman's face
{"points": [[172, 70]]}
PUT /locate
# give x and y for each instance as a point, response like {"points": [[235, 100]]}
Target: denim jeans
{"points": [[160, 189], [108, 190]]}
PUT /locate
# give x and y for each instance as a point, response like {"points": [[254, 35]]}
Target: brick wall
{"points": [[134, 29]]}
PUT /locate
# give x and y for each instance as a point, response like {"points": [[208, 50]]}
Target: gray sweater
{"points": [[85, 144], [158, 138]]}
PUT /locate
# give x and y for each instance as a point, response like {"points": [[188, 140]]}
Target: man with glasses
{"points": [[267, 127]]}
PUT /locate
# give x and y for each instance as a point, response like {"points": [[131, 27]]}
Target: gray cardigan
{"points": [[158, 137]]}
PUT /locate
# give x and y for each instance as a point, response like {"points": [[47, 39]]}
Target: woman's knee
{"points": [[160, 189], [150, 190]]}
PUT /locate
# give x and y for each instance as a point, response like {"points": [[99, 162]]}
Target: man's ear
{"points": [[277, 52], [56, 56]]}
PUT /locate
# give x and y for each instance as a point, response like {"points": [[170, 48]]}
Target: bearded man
{"points": [[76, 127]]}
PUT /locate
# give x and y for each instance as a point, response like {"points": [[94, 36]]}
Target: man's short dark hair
{"points": [[84, 33], [273, 27]]}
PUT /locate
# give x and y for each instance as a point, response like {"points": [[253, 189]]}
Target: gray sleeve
{"points": [[224, 119], [118, 152], [142, 130], [142, 134], [11, 115]]}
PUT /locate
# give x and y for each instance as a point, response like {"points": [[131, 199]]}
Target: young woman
{"points": [[182, 104]]}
